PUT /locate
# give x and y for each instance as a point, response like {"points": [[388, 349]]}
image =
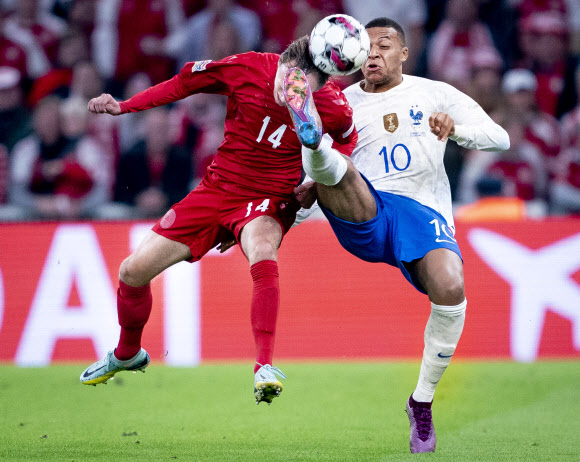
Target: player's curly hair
{"points": [[298, 53]]}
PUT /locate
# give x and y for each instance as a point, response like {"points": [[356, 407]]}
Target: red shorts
{"points": [[209, 215]]}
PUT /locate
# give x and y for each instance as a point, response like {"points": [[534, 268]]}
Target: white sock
{"points": [[442, 333], [324, 164]]}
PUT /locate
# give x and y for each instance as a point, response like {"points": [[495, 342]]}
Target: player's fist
{"points": [[442, 125], [104, 104], [306, 194]]}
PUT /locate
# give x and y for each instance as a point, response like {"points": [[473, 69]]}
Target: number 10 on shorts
{"points": [[260, 208]]}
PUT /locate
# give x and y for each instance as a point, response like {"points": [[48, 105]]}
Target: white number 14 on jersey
{"points": [[260, 208]]}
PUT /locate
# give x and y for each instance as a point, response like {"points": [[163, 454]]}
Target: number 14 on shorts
{"points": [[259, 208]]}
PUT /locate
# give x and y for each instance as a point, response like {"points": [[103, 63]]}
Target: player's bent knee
{"points": [[262, 251], [447, 291], [129, 273]]}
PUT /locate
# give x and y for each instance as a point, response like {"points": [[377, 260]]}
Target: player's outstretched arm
{"points": [[472, 126], [104, 104]]}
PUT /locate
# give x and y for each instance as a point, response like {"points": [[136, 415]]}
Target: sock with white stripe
{"points": [[442, 333]]}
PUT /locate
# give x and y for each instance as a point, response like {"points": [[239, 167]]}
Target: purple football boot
{"points": [[423, 437], [300, 103]]}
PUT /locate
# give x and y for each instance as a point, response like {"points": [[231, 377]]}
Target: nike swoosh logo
{"points": [[87, 373], [444, 240], [137, 366], [444, 356], [358, 131]]}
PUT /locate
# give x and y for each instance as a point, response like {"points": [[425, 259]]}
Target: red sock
{"points": [[133, 307], [265, 302]]}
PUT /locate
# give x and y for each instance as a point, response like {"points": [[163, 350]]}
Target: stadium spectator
{"points": [[38, 32], [79, 14], [72, 49], [410, 14], [501, 17], [86, 83], [58, 172], [282, 21], [279, 19], [223, 40], [191, 41], [14, 117], [520, 89], [565, 189], [309, 12], [544, 40], [459, 36], [120, 48], [520, 167], [131, 128], [486, 77], [11, 54], [155, 173]]}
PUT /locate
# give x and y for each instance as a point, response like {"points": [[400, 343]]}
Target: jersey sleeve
{"points": [[337, 121], [208, 76], [474, 129]]}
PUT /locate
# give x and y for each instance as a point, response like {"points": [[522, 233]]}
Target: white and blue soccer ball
{"points": [[339, 45]]}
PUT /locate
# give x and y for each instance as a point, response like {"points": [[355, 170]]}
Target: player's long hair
{"points": [[298, 53]]}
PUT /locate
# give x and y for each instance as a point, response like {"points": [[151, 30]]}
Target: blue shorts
{"points": [[403, 231]]}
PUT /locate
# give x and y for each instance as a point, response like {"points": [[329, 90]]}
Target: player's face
{"points": [[385, 62], [279, 81]]}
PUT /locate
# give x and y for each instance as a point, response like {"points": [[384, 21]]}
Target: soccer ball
{"points": [[339, 45]]}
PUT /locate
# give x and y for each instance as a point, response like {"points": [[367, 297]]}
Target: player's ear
{"points": [[404, 54]]}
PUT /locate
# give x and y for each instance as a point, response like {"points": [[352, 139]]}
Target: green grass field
{"points": [[328, 412]]}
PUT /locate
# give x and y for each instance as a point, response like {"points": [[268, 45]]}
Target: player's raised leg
{"points": [[341, 188], [134, 301], [441, 274], [260, 239]]}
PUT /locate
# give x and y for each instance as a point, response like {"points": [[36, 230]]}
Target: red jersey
{"points": [[260, 152]]}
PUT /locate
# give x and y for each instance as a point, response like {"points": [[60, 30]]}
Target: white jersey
{"points": [[396, 150]]}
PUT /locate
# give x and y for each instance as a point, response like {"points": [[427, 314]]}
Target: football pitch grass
{"points": [[327, 412]]}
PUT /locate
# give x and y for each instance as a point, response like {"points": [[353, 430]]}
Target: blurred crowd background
{"points": [[519, 59]]}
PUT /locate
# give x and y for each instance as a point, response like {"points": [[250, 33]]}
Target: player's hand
{"points": [[226, 245], [104, 104], [306, 194], [442, 125]]}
